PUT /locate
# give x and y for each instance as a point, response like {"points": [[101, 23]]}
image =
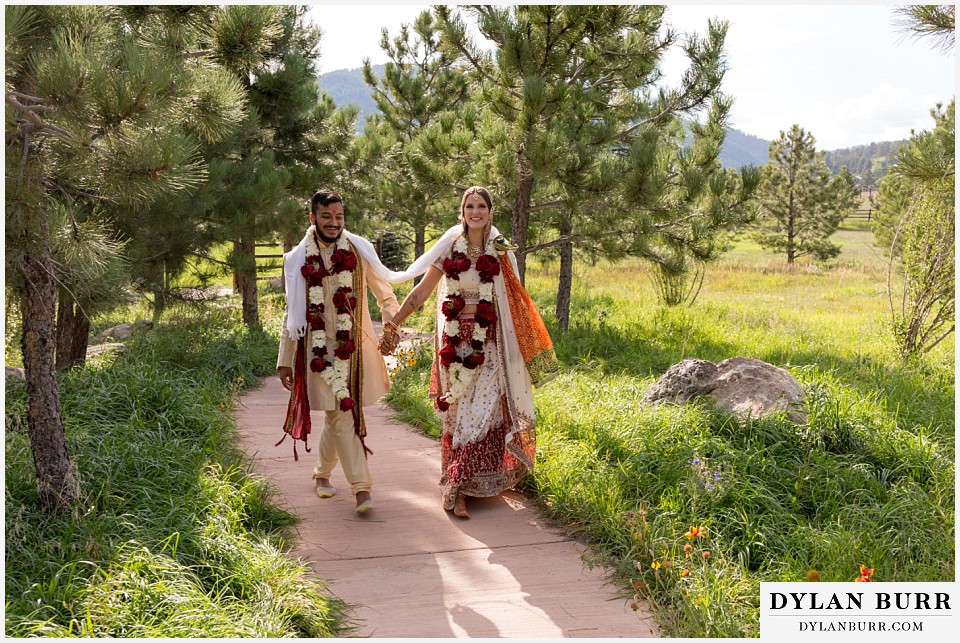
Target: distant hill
{"points": [[346, 86], [740, 148], [870, 162]]}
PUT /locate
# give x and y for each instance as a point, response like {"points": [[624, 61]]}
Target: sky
{"points": [[844, 73]]}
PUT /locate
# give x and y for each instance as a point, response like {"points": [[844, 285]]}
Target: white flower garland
{"points": [[461, 377], [337, 374]]}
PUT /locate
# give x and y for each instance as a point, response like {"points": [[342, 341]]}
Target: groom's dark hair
{"points": [[324, 197]]}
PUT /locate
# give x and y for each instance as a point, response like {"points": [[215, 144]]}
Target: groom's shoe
{"points": [[325, 490], [363, 506]]}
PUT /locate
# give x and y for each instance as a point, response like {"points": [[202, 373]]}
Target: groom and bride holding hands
{"points": [[490, 348]]}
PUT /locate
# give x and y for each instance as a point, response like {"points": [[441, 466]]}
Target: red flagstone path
{"points": [[411, 569]]}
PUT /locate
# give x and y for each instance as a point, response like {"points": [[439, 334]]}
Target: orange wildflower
{"points": [[687, 547], [685, 573], [813, 575], [695, 532], [705, 554]]}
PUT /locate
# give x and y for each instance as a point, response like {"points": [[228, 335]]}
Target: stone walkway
{"points": [[412, 569]]}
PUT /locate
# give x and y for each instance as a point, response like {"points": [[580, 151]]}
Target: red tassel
{"points": [[296, 424]]}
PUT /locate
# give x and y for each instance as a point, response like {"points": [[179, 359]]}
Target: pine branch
{"points": [[35, 120], [194, 54]]}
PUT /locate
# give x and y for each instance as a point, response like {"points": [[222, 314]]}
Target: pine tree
{"points": [[419, 83], [289, 143], [105, 108], [803, 204], [578, 138], [925, 236]]}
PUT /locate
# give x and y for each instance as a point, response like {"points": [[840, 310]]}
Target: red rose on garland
{"points": [[347, 404], [317, 364], [344, 350], [343, 335], [454, 265], [473, 360], [488, 267], [486, 314], [342, 300], [453, 307], [448, 355], [343, 260], [443, 405]]}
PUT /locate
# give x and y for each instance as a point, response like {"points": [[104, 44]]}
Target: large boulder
{"points": [[742, 385], [123, 331]]}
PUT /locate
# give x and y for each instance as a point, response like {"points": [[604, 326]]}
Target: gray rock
{"points": [[742, 385], [102, 349], [683, 381], [123, 331], [752, 388], [13, 371]]}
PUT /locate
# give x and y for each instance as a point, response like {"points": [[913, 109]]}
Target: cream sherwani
{"points": [[337, 438]]}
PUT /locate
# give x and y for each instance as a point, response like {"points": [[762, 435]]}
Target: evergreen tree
{"points": [[925, 236], [289, 142], [803, 204], [105, 108], [418, 84], [578, 138]]}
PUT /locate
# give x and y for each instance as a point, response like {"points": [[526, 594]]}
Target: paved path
{"points": [[413, 569]]}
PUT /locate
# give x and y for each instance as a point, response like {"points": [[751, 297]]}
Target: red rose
{"points": [[341, 299], [452, 307], [350, 261], [320, 351], [337, 256], [486, 314], [306, 270], [343, 335], [443, 405], [488, 267], [448, 355], [473, 360], [317, 365], [463, 264], [344, 350], [450, 268], [476, 344], [347, 404], [453, 341]]}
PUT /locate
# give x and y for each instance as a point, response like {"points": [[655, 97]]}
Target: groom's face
{"points": [[329, 221]]}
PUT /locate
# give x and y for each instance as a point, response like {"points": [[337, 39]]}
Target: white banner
{"points": [[849, 611]]}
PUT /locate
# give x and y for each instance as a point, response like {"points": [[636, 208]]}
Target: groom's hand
{"points": [[286, 377], [388, 343]]}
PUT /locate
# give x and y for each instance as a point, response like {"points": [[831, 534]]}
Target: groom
{"points": [[328, 350]]}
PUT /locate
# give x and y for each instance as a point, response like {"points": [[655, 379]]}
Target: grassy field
{"points": [[869, 480], [173, 537]]}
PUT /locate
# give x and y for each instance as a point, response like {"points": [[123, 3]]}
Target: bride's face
{"points": [[476, 212]]}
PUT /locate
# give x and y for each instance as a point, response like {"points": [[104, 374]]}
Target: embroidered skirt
{"points": [[474, 458]]}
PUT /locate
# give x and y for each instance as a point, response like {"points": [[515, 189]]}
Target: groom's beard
{"points": [[327, 239]]}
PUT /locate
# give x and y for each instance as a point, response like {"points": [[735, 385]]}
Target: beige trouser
{"points": [[339, 442]]}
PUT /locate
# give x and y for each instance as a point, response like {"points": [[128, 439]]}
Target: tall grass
{"points": [[869, 479], [173, 536]]}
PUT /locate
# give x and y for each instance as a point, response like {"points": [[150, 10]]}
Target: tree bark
{"points": [[521, 219], [419, 247], [56, 478], [246, 279], [565, 283], [73, 333]]}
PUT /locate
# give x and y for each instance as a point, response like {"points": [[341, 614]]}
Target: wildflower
{"points": [[865, 575], [636, 535], [637, 584], [813, 575], [695, 532], [685, 573], [667, 564], [655, 565], [705, 554], [687, 547], [634, 606]]}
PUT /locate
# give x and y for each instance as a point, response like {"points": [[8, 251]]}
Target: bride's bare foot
{"points": [[460, 506]]}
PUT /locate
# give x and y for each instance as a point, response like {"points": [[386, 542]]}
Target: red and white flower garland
{"points": [[462, 370], [343, 261]]}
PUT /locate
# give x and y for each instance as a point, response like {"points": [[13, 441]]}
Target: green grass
{"points": [[173, 537], [868, 480]]}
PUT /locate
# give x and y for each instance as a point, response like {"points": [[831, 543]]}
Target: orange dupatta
{"points": [[536, 347]]}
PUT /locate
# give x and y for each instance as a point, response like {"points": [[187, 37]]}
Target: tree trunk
{"points": [[246, 279], [73, 333], [56, 479], [791, 229], [565, 284], [521, 219], [155, 279], [419, 247]]}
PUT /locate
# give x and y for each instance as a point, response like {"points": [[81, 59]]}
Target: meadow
{"points": [[689, 507], [693, 508]]}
